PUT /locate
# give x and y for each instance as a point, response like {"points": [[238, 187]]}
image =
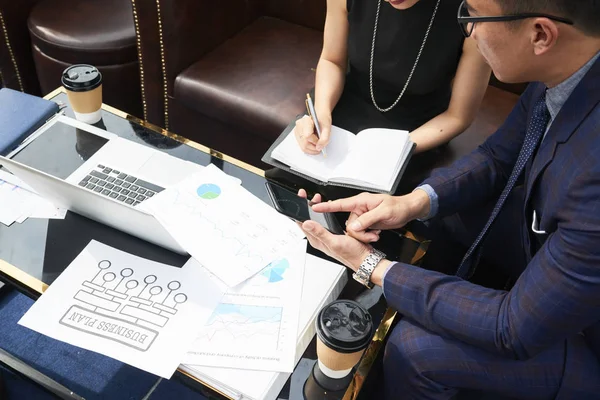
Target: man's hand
{"points": [[343, 248], [377, 212]]}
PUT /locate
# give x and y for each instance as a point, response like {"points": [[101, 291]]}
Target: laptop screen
{"points": [[60, 150]]}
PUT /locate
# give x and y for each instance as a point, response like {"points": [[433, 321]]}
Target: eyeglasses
{"points": [[467, 23]]}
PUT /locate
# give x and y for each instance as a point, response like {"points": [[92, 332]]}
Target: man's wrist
{"points": [[376, 274], [420, 204], [379, 272]]}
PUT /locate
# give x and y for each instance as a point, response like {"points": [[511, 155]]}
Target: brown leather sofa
{"points": [[496, 106], [228, 74], [17, 70], [97, 32], [232, 75]]}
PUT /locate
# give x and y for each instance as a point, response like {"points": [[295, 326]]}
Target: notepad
{"points": [[20, 115], [371, 160]]}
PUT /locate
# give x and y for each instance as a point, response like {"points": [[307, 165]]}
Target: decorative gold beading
{"points": [[140, 56], [10, 52], [163, 63]]}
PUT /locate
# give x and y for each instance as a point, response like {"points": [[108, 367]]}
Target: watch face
{"points": [[360, 278], [357, 277]]}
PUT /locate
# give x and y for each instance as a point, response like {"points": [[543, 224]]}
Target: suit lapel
{"points": [[581, 102]]}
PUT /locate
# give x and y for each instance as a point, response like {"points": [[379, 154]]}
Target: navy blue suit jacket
{"points": [[558, 294]]}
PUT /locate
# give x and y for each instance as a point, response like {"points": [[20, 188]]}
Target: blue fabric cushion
{"points": [[89, 374]]}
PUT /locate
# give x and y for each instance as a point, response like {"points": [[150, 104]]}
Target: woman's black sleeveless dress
{"points": [[400, 34]]}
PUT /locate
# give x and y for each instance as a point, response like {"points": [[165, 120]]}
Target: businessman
{"points": [[540, 172]]}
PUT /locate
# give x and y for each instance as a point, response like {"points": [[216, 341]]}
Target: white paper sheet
{"points": [[19, 202], [227, 229], [255, 325], [140, 312]]}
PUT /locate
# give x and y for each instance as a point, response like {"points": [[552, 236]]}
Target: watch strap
{"points": [[364, 272]]}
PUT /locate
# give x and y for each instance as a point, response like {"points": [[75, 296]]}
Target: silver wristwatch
{"points": [[363, 274]]}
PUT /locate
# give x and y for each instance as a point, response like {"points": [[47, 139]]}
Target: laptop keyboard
{"points": [[118, 185]]}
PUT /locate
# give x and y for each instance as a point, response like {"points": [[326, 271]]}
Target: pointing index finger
{"points": [[340, 205]]}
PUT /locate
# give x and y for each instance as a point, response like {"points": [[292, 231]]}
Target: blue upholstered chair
{"points": [[90, 375]]}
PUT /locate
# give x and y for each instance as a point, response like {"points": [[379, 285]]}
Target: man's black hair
{"points": [[585, 14]]}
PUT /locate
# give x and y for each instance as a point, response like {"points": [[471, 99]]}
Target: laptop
{"points": [[99, 175]]}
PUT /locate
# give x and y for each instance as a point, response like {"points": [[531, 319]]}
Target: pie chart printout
{"points": [[208, 191]]}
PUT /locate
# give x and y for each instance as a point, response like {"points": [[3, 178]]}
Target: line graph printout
{"points": [[137, 311], [228, 230], [255, 325]]}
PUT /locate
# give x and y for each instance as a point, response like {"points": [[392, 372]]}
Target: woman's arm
{"points": [[331, 70], [330, 77], [470, 84]]}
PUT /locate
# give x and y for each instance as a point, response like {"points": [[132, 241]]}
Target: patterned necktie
{"points": [[535, 131]]}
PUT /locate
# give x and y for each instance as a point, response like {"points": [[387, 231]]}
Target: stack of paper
{"points": [[19, 202], [323, 283], [254, 254], [256, 323]]}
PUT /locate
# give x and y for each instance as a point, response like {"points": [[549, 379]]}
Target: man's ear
{"points": [[544, 35]]}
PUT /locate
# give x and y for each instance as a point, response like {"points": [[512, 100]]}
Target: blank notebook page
{"points": [[318, 166], [376, 157]]}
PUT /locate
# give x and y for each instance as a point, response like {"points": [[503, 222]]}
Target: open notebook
{"points": [[373, 160]]}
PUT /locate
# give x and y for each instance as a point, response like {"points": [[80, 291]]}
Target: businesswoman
{"points": [[401, 64]]}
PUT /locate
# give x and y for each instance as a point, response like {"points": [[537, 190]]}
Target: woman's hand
{"points": [[306, 135]]}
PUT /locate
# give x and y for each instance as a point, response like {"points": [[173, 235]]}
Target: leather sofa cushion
{"points": [[103, 30], [495, 108], [256, 80]]}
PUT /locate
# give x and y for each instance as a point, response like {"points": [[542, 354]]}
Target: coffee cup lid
{"points": [[81, 77], [344, 326]]}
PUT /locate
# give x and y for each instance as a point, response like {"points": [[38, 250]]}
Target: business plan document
{"points": [[137, 311]]}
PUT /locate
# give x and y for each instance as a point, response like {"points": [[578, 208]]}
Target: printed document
{"points": [[227, 229], [140, 312], [255, 325], [19, 202]]}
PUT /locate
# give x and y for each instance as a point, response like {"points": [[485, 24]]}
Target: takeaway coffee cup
{"points": [[83, 83], [344, 330]]}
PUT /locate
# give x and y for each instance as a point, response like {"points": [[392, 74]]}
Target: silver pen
{"points": [[312, 113]]}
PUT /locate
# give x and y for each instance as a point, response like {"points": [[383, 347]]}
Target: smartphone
{"points": [[299, 209]]}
